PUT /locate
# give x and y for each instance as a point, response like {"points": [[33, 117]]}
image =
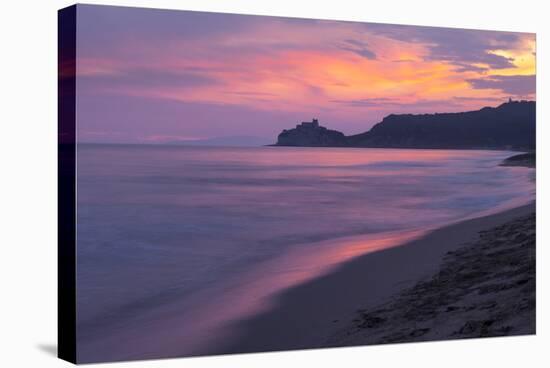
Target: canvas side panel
{"points": [[66, 105]]}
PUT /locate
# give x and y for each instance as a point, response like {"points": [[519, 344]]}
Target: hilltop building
{"points": [[314, 123]]}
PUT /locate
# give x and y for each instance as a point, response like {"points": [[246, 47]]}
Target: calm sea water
{"points": [[175, 243]]}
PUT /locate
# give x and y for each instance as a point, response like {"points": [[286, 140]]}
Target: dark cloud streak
{"points": [[517, 85], [147, 78], [358, 47]]}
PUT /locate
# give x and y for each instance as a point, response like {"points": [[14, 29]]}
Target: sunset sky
{"points": [[148, 75]]}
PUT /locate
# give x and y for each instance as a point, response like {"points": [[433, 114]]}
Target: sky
{"points": [[154, 76]]}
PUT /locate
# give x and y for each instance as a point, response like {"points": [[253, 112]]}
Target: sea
{"points": [[177, 244]]}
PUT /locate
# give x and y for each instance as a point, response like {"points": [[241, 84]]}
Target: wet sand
{"points": [[470, 279]]}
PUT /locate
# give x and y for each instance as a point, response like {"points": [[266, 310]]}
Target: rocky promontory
{"points": [[510, 126], [311, 134]]}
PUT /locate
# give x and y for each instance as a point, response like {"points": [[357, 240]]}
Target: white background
{"points": [[28, 56]]}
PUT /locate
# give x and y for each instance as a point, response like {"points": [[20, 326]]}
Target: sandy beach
{"points": [[485, 288], [475, 278]]}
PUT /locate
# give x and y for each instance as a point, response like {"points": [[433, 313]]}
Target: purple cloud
{"points": [[358, 47], [422, 105], [369, 102], [518, 85], [460, 47], [108, 27], [145, 78]]}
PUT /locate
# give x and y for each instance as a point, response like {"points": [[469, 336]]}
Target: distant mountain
{"points": [[232, 141], [508, 126]]}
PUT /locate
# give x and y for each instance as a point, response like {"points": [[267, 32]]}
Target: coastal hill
{"points": [[508, 126]]}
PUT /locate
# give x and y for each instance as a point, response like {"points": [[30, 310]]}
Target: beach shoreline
{"points": [[327, 311], [484, 289]]}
